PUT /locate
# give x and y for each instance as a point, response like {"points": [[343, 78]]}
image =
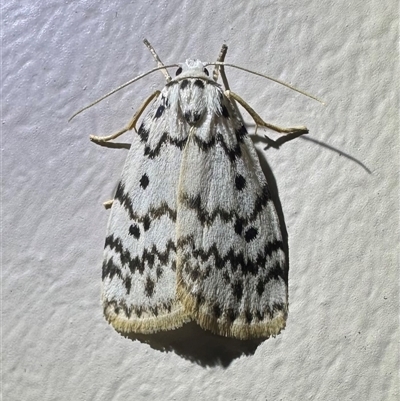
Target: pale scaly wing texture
{"points": [[139, 268], [231, 261]]}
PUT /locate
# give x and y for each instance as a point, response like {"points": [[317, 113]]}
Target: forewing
{"points": [[230, 253], [139, 268]]}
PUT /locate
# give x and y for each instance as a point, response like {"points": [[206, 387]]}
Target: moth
{"points": [[193, 234]]}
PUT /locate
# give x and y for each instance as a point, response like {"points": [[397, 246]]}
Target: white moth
{"points": [[193, 233]]}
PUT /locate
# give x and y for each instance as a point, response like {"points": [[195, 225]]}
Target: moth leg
{"points": [[260, 122], [108, 204], [99, 140]]}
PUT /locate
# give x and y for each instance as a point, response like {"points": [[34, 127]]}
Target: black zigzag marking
{"points": [[204, 145], [143, 133], [149, 287], [110, 269], [137, 263], [232, 153], [206, 218], [237, 261], [165, 138], [274, 274], [163, 104], [153, 213], [137, 310], [250, 316], [193, 203], [240, 133]]}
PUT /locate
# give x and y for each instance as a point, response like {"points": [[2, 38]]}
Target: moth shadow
{"points": [[200, 346]]}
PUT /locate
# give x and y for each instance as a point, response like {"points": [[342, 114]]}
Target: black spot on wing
{"points": [[240, 182], [159, 111], [250, 234], [144, 181], [134, 230]]}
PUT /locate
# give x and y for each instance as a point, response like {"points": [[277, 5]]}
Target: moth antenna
{"points": [[270, 78], [158, 60], [220, 59], [121, 87]]}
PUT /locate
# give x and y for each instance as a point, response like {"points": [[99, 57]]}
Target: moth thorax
{"points": [[193, 99]]}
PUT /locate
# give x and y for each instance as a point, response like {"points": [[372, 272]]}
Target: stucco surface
{"points": [[337, 192]]}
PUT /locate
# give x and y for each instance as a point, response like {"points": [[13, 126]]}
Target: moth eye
{"points": [[206, 71], [178, 71]]}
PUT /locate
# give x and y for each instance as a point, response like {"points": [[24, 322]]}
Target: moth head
{"points": [[192, 68]]}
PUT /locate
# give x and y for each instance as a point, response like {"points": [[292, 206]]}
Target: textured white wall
{"points": [[338, 192]]}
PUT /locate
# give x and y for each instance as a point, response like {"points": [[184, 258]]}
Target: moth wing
{"points": [[139, 268], [231, 263]]}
